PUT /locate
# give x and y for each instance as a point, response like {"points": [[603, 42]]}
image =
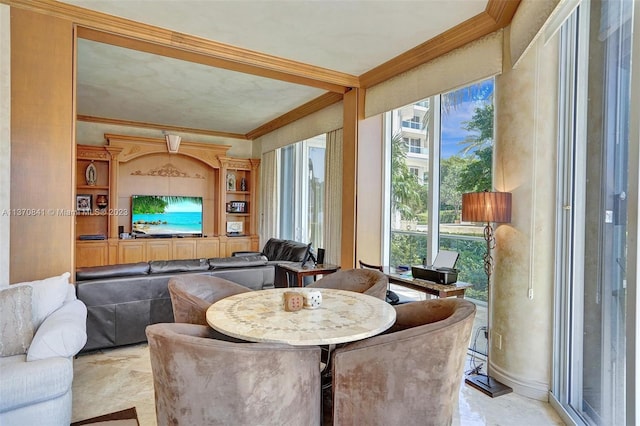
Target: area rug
{"points": [[128, 417]]}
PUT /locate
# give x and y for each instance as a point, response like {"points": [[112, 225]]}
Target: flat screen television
{"points": [[164, 216]]}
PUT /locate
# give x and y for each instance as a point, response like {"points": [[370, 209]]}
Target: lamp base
{"points": [[487, 385]]}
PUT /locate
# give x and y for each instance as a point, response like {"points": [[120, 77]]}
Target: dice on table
{"points": [[293, 301]]}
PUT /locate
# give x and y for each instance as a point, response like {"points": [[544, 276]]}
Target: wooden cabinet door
{"points": [[131, 252], [159, 250], [184, 249], [207, 248], [91, 253], [237, 244]]}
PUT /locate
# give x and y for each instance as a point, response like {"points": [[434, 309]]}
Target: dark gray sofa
{"points": [[123, 299]]}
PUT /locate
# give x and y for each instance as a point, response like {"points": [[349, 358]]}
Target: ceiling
{"points": [[346, 39]]}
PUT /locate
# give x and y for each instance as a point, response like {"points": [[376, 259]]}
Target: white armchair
{"points": [[42, 327]]}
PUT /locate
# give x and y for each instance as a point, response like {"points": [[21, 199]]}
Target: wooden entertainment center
{"points": [[132, 165]]}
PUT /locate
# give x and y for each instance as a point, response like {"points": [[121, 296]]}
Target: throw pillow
{"points": [[16, 327], [48, 295], [71, 293], [63, 333]]}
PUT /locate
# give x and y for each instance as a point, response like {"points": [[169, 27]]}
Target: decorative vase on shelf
{"points": [[91, 174], [231, 182], [102, 201], [243, 184]]}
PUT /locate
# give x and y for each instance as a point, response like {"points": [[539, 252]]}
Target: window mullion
{"points": [[433, 132]]}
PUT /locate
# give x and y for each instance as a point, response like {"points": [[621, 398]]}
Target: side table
{"points": [[299, 271], [439, 290]]}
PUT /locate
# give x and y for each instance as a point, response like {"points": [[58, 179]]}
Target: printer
{"points": [[442, 271]]}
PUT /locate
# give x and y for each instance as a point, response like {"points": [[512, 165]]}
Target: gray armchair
{"points": [[366, 281], [191, 296], [203, 381], [409, 375]]}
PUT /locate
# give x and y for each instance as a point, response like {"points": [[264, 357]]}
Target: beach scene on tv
{"points": [[154, 215]]}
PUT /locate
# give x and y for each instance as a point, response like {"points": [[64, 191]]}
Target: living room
{"points": [[521, 52]]}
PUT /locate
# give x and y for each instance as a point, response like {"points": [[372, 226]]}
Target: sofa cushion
{"points": [[25, 383], [48, 295], [276, 249], [181, 265], [63, 333], [16, 325], [237, 262], [112, 271]]}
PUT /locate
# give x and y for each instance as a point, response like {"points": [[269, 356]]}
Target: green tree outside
{"points": [[405, 186]]}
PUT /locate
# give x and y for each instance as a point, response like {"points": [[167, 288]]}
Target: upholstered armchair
{"points": [[191, 296], [409, 375], [367, 281], [203, 381]]}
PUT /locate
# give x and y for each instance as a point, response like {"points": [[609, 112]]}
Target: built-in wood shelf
{"points": [[130, 165], [101, 187]]}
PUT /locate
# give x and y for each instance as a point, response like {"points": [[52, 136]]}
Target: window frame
{"points": [[294, 189]]}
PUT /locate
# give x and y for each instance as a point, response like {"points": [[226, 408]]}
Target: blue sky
{"points": [[452, 121]]}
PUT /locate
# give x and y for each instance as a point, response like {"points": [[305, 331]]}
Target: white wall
{"points": [[525, 164], [370, 188]]}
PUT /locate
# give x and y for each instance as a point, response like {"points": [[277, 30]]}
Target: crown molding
{"points": [[122, 32], [310, 107], [168, 128]]}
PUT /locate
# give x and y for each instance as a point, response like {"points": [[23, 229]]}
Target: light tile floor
{"points": [[116, 379]]}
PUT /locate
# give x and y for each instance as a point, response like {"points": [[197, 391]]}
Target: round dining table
{"points": [[260, 316]]}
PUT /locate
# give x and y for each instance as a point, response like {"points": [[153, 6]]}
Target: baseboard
{"points": [[529, 388]]}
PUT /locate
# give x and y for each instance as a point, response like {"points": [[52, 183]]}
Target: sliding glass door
{"points": [[590, 380]]}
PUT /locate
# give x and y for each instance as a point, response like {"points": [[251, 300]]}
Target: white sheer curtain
{"points": [[333, 197], [270, 201]]}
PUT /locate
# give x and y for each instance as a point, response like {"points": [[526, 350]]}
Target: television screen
{"points": [[166, 215]]}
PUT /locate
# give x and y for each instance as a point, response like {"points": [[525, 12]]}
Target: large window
{"points": [[302, 190], [451, 135], [590, 379]]}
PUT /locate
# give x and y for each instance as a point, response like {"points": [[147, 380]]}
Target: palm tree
{"points": [[482, 122], [405, 185], [452, 100]]}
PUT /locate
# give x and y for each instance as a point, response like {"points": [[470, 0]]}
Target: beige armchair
{"points": [[191, 296], [367, 281], [204, 381], [409, 375]]}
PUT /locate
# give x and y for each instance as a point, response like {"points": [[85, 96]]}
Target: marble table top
{"points": [[259, 316]]}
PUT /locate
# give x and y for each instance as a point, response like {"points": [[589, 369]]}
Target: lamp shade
{"points": [[486, 207], [173, 143]]}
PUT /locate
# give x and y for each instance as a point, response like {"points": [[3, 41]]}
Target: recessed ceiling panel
{"points": [[120, 83], [347, 36]]}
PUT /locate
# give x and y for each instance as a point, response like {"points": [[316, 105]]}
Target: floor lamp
{"points": [[487, 207]]}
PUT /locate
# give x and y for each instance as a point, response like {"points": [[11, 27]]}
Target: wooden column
{"points": [[255, 203], [114, 235], [349, 178], [42, 146]]}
